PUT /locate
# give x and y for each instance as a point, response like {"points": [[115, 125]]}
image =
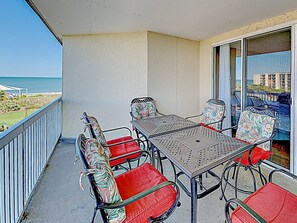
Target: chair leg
{"points": [[254, 179], [225, 178], [234, 173], [236, 180], [263, 179], [94, 215], [200, 180]]}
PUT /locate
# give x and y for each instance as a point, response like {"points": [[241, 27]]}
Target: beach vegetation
{"points": [[14, 109]]}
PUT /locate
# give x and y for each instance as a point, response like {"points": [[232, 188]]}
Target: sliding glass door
{"points": [[258, 74]]}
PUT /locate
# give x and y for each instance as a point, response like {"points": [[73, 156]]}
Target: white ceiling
{"points": [[192, 19]]}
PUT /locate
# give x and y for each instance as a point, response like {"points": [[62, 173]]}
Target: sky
{"points": [[265, 63], [27, 47]]}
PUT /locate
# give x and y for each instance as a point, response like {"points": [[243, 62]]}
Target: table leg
{"points": [[193, 200]]}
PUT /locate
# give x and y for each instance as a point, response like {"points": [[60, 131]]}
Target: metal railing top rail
{"points": [[15, 130]]}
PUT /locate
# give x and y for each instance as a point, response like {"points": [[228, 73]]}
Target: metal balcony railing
{"points": [[24, 151]]}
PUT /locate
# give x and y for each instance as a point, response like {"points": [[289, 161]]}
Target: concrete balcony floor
{"points": [[58, 197]]}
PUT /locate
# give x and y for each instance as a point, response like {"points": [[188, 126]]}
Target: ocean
{"points": [[34, 84]]}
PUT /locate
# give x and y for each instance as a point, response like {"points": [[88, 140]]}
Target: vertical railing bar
{"points": [[20, 176], [15, 148], [9, 183], [1, 183], [34, 155], [15, 186], [4, 185], [26, 165], [30, 160], [23, 164]]}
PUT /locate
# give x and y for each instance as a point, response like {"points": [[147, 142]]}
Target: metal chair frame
{"points": [[101, 206], [86, 121], [248, 209], [217, 102], [252, 167], [138, 134]]}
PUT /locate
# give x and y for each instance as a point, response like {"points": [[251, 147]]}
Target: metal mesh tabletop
{"points": [[198, 149], [152, 127]]}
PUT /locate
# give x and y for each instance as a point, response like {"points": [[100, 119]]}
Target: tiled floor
{"points": [[58, 197]]}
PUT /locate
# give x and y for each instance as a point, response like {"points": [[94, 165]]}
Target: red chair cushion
{"points": [[153, 205], [122, 149], [272, 202], [257, 155]]}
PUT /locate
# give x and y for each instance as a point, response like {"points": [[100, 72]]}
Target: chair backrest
{"points": [[101, 176], [143, 107], [214, 112], [95, 131], [256, 124], [80, 147]]}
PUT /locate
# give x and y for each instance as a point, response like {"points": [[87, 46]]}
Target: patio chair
{"points": [[140, 195], [256, 127], [143, 107], [212, 115], [270, 203], [115, 147]]}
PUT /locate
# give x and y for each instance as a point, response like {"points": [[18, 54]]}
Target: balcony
{"points": [[39, 181]]}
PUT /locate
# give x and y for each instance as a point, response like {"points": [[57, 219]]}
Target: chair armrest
{"points": [[159, 113], [231, 127], [119, 128], [194, 116], [133, 117], [123, 142], [131, 153], [211, 123], [281, 171], [257, 144], [139, 196], [264, 140], [245, 207]]}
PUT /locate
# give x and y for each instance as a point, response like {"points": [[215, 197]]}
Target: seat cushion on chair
{"points": [[273, 203], [153, 205], [257, 155], [122, 149]]}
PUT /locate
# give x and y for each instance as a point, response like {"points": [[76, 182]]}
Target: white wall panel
{"points": [[173, 65], [101, 74]]}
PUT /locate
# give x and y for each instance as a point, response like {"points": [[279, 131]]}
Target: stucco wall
{"points": [[101, 74], [173, 74], [205, 86]]}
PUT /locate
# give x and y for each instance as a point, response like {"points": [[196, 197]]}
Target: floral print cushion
{"points": [[253, 127], [99, 134], [144, 110], [104, 179], [213, 113]]}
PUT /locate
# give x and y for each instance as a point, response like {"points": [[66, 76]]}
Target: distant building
{"points": [[275, 80]]}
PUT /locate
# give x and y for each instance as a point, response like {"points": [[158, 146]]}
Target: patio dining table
{"points": [[192, 148], [160, 125], [156, 126]]}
